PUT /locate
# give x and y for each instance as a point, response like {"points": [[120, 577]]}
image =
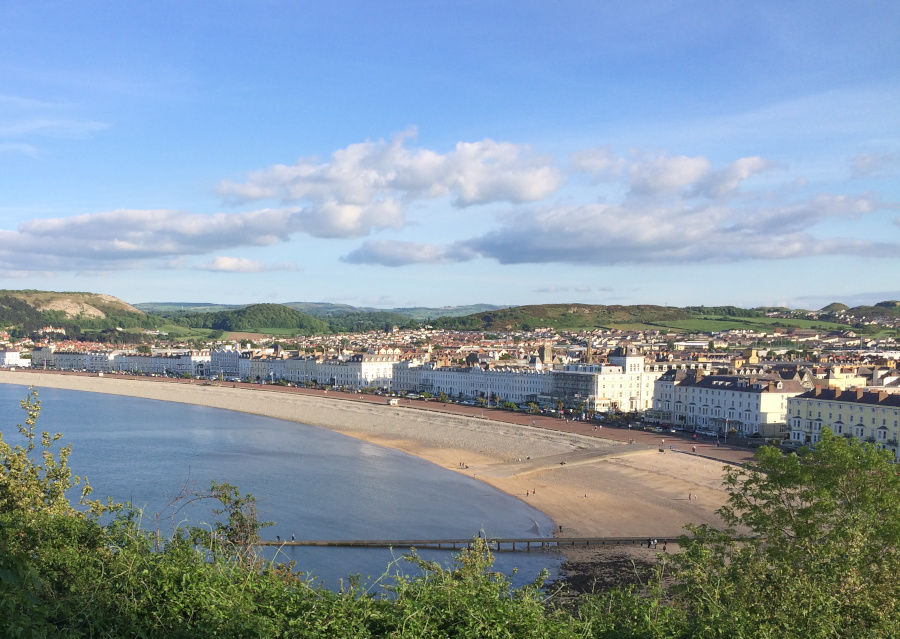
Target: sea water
{"points": [[313, 483]]}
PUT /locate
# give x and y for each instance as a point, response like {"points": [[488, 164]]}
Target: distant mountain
{"points": [[95, 316], [255, 318], [424, 312], [890, 308], [564, 317], [834, 307], [325, 309], [77, 314], [169, 308], [71, 305], [318, 309]]}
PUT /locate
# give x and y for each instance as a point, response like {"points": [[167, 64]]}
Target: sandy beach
{"points": [[589, 486]]}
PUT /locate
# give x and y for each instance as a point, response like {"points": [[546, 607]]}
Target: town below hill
{"points": [[765, 374], [92, 317]]}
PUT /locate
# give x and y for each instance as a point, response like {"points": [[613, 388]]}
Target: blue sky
{"points": [[439, 153]]}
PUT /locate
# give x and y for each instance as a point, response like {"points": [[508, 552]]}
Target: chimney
{"points": [[837, 393], [859, 393], [818, 389], [882, 395], [771, 386]]}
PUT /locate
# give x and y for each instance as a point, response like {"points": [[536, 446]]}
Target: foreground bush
{"points": [[822, 563]]}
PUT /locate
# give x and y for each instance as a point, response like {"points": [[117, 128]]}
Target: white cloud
{"points": [[128, 238], [395, 253], [366, 186], [657, 174], [661, 174], [725, 181], [130, 233], [242, 265], [708, 232], [598, 162], [651, 233], [876, 165]]}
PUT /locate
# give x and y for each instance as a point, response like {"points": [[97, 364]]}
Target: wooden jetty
{"points": [[522, 544]]}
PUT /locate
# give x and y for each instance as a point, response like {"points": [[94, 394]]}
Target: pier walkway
{"points": [[524, 544]]}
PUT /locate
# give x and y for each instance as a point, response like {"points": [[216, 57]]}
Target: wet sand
{"points": [[605, 488]]}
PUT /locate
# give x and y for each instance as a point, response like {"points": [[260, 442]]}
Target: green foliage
{"points": [[812, 550], [728, 311], [15, 312], [30, 485], [470, 600], [826, 555], [252, 318], [371, 321]]}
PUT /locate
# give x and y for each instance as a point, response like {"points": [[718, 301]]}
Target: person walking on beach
{"points": [[693, 449]]}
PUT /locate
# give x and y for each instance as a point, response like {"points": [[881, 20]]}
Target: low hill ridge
{"points": [[74, 305]]}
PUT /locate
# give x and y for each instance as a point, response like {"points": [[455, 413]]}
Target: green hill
{"points": [[564, 317], [256, 318], [74, 312], [168, 309], [835, 307]]}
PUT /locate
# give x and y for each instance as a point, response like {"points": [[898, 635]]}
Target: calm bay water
{"points": [[312, 482]]}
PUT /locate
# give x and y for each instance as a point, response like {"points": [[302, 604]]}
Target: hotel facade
{"points": [[872, 416]]}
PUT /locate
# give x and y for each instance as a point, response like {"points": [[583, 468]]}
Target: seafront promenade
{"points": [[592, 483]]}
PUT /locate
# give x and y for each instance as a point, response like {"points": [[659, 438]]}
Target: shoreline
{"points": [[589, 486]]}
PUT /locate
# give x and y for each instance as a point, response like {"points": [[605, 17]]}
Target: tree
{"points": [[33, 483], [824, 550]]}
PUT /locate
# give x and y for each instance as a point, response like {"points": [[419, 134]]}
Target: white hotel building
{"points": [[13, 359], [357, 371], [509, 384], [719, 403], [872, 416]]}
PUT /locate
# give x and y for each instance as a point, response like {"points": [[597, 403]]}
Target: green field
{"points": [[763, 324], [183, 332]]}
